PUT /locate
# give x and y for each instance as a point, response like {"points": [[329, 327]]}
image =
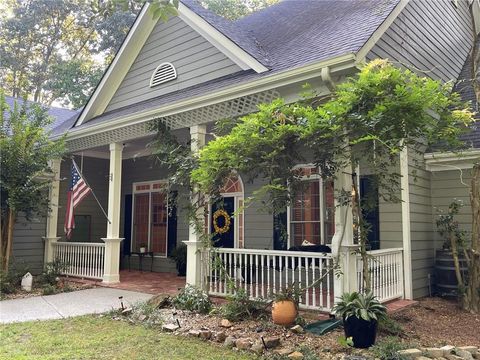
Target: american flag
{"points": [[78, 190]]}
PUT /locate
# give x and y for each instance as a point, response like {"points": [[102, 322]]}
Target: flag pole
{"points": [[93, 193]]}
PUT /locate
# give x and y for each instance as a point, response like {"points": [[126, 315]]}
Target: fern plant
{"points": [[362, 306]]}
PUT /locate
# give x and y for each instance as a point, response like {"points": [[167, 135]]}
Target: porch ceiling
{"points": [[142, 128]]}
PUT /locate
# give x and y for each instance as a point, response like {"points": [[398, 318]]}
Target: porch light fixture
{"points": [[163, 73]]}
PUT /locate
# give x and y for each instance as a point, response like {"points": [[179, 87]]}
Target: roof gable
{"points": [[138, 36], [194, 59]]}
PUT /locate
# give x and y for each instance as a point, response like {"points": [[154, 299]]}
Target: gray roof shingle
{"points": [[284, 36]]}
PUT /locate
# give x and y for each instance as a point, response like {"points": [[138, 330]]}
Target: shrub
{"points": [[387, 349], [193, 299], [11, 280], [48, 289], [240, 306], [388, 326], [53, 270]]}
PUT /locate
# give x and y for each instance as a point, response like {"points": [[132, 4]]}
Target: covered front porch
{"points": [[129, 185]]}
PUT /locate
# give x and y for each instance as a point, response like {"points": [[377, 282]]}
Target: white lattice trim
{"points": [[228, 109]]}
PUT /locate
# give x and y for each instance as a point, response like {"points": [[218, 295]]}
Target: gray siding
{"points": [[95, 172], [28, 248], [431, 36], [421, 230], [194, 58], [258, 222]]}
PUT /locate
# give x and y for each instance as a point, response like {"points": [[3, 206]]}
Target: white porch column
{"points": [[406, 228], [194, 244], [342, 242], [113, 240], [52, 218]]}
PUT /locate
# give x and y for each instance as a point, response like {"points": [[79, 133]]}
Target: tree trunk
{"points": [[7, 239], [472, 295]]}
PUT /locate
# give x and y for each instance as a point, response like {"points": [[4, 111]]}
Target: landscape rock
{"points": [[297, 329], [410, 353], [243, 344], [142, 317], [170, 327], [229, 341], [220, 336], [226, 323], [422, 358], [433, 352], [471, 349], [271, 342], [453, 357], [447, 349], [205, 334], [127, 311], [355, 357], [476, 355], [257, 348], [194, 333], [283, 351], [466, 355], [160, 301], [296, 355]]}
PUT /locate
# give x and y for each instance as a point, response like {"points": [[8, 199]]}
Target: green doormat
{"points": [[323, 327]]}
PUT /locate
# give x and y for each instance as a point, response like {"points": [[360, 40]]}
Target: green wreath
{"points": [[226, 226]]}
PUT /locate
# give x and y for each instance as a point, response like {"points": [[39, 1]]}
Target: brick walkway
{"points": [[146, 282]]}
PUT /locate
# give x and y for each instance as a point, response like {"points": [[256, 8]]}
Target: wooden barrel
{"points": [[446, 281]]}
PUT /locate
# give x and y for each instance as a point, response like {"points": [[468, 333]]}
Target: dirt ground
{"points": [[438, 322], [65, 286], [429, 323]]}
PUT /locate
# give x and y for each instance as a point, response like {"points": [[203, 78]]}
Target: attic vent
{"points": [[163, 73]]}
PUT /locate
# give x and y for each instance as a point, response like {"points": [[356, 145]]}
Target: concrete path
{"points": [[82, 302]]}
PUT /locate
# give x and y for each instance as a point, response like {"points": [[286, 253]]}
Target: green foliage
{"points": [[53, 271], [362, 306], [235, 9], [193, 299], [49, 289], [240, 307], [345, 342], [387, 349], [26, 151], [370, 118], [448, 225], [289, 293], [179, 255], [10, 280], [389, 326]]}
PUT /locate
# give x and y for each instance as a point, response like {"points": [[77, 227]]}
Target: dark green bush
{"points": [[387, 349], [193, 299], [53, 271], [240, 306], [48, 289], [11, 280]]}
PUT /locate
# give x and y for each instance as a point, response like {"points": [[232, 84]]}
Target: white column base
{"points": [[48, 255], [111, 266], [193, 262]]}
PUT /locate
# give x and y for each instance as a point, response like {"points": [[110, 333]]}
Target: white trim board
{"points": [[451, 161], [135, 41]]}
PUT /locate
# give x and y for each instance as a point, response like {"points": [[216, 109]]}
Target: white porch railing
{"points": [[81, 259], [386, 273], [262, 273]]}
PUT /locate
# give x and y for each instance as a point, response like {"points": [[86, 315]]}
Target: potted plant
{"points": [[179, 255], [360, 314], [285, 306]]}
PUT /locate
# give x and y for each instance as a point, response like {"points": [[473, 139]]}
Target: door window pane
{"points": [[305, 215], [158, 231], [140, 221]]}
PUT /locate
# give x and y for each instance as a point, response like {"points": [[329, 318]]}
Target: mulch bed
{"points": [[67, 286], [439, 322]]}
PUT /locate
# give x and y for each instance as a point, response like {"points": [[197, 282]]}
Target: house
{"points": [[198, 68], [28, 247]]}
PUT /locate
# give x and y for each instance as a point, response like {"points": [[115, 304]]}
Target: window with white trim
{"points": [[312, 212], [150, 217]]}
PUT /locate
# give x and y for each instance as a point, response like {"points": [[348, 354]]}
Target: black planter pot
{"points": [[363, 332], [181, 269]]}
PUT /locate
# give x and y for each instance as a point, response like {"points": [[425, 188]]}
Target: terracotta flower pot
{"points": [[284, 312]]}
